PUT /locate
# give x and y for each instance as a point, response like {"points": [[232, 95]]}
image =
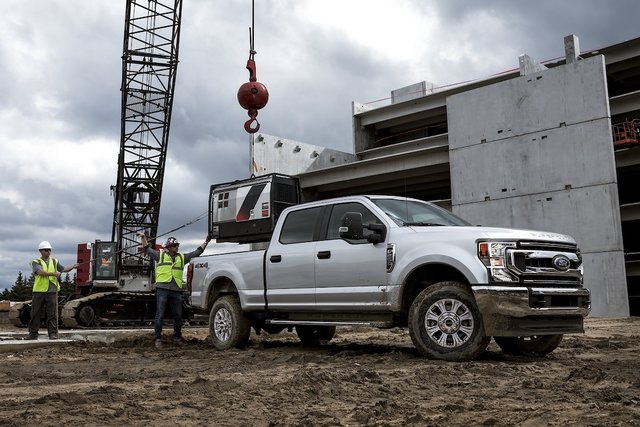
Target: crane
{"points": [[149, 65], [120, 285], [113, 283]]}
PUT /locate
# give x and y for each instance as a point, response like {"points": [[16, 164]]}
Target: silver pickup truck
{"points": [[387, 262]]}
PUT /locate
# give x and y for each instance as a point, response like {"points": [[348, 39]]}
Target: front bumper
{"points": [[524, 311]]}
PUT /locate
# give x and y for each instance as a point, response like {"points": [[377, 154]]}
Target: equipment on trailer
{"points": [[246, 211]]}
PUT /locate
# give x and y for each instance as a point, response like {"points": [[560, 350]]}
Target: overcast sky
{"points": [[60, 70]]}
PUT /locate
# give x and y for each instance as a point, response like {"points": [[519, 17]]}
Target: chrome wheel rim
{"points": [[222, 324], [449, 323]]}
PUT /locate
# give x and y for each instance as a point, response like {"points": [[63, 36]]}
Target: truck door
{"points": [[350, 276], [290, 262]]}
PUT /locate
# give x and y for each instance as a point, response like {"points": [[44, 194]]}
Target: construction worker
{"points": [[169, 287], [46, 286]]}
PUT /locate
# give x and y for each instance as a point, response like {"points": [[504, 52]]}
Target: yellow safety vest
{"points": [[166, 269], [41, 283]]}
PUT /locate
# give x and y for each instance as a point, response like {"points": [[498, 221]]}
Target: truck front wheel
{"points": [[445, 323], [538, 345], [228, 327], [312, 335]]}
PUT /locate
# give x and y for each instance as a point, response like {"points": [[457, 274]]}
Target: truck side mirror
{"points": [[351, 226], [379, 232]]}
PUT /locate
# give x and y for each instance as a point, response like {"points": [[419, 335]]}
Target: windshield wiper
{"points": [[424, 224]]}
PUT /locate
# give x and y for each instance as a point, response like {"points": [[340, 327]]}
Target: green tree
{"points": [[67, 286], [21, 290]]}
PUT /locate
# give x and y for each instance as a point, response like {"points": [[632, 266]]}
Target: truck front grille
{"points": [[543, 264]]}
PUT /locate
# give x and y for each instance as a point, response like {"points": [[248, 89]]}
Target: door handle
{"points": [[324, 254], [275, 258]]}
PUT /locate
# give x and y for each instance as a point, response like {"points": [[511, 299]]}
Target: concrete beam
{"points": [[528, 65], [417, 159], [630, 212], [429, 102], [571, 48], [625, 103], [429, 142], [627, 157], [633, 268]]}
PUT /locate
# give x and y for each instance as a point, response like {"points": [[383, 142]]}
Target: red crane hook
{"points": [[252, 96]]}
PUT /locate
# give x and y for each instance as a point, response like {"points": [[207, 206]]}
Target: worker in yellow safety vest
{"points": [[46, 271], [169, 287]]}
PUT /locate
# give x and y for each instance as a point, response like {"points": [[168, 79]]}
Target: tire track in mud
{"points": [[363, 377]]}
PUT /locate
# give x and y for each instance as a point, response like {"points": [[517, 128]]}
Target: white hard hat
{"points": [[44, 245], [171, 241]]}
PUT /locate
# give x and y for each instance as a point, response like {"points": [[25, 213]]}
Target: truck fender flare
{"points": [[218, 286], [471, 276]]}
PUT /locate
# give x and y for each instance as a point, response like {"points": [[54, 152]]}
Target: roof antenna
{"points": [[252, 95]]}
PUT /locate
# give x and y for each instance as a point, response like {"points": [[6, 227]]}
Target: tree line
{"points": [[21, 289]]}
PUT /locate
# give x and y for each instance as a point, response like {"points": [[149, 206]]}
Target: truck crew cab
{"points": [[387, 261]]}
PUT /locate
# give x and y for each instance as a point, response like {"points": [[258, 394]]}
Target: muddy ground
{"points": [[363, 377]]}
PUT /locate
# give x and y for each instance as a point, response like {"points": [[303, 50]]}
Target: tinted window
{"points": [[338, 212], [298, 226], [415, 212]]}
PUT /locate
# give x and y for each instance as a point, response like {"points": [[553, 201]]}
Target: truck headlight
{"points": [[494, 256]]}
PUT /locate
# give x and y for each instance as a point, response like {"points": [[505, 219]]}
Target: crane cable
{"points": [[188, 223], [252, 95]]}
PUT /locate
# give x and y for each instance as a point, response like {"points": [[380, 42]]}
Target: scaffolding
{"points": [[626, 134]]}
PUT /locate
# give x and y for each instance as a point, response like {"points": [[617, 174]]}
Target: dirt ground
{"points": [[363, 377]]}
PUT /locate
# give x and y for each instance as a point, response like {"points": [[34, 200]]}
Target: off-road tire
{"points": [[228, 326], [537, 345], [445, 323], [313, 335]]}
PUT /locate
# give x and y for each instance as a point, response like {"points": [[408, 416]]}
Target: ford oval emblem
{"points": [[561, 262]]}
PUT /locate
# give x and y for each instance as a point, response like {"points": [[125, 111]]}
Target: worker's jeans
{"points": [[174, 300], [48, 302]]}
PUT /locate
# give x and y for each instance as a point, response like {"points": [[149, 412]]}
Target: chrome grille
{"points": [[536, 264]]}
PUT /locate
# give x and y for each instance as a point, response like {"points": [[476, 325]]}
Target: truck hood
{"points": [[499, 233]]}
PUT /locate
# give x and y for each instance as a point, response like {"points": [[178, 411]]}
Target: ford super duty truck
{"points": [[388, 262]]}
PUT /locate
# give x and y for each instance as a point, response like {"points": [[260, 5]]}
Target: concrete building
{"points": [[552, 146]]}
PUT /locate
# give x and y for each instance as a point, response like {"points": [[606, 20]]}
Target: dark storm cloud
{"points": [[68, 52], [538, 27]]}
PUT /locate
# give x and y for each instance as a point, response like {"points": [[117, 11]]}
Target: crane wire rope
{"points": [[186, 224]]}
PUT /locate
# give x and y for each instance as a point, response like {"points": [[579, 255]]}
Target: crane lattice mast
{"points": [[149, 64]]}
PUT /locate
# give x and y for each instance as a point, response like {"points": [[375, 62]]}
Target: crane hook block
{"points": [[252, 96]]}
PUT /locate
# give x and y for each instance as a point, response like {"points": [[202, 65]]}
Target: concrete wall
{"points": [[274, 154], [537, 152]]}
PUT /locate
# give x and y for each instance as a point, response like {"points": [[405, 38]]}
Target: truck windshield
{"points": [[418, 213]]}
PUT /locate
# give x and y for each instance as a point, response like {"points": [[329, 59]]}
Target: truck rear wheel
{"points": [[228, 327], [313, 334], [445, 323], [537, 345]]}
